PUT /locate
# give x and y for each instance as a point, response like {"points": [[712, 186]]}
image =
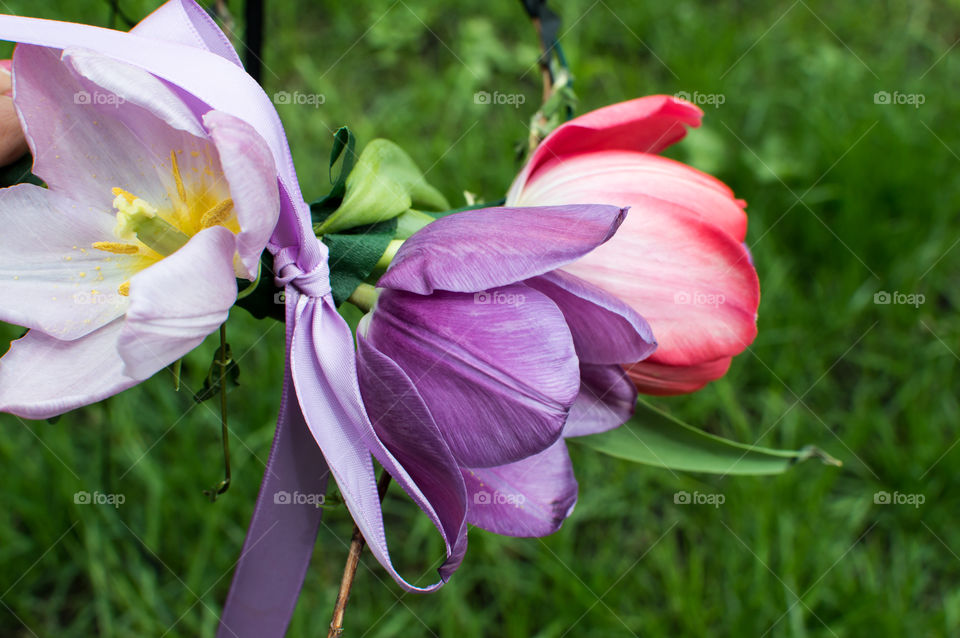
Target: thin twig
{"points": [[223, 363], [350, 569]]}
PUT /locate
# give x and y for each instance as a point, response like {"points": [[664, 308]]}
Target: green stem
{"points": [[364, 297], [222, 363], [388, 255]]}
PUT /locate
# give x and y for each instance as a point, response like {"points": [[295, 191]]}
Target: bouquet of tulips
{"points": [[163, 193]]}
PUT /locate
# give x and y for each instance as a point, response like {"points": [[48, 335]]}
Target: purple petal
{"points": [[178, 301], [249, 169], [51, 278], [604, 328], [184, 22], [404, 425], [606, 400], [493, 247], [85, 144], [322, 361], [531, 497], [498, 373], [41, 377]]}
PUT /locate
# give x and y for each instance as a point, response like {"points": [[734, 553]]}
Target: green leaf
{"points": [[354, 254], [653, 437], [344, 143], [384, 183]]}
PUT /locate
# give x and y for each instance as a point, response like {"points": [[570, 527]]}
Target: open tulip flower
{"points": [[497, 351], [130, 257], [679, 259]]}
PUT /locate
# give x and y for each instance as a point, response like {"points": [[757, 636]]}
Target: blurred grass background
{"points": [[847, 198]]}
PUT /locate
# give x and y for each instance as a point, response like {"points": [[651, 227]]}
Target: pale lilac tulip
{"points": [[499, 351], [679, 259], [130, 258]]}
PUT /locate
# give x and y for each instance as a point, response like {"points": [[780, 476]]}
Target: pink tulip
{"points": [[679, 258]]}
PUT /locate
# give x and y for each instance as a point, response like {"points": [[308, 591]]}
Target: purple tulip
{"points": [[499, 352]]}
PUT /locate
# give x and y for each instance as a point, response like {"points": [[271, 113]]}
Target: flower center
{"points": [[152, 233]]}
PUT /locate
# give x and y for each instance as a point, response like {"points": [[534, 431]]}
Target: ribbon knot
{"points": [[312, 283]]}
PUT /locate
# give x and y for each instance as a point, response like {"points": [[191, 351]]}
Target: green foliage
{"points": [[847, 197]]}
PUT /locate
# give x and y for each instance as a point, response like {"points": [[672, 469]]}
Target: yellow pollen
{"points": [[124, 289], [83, 274], [217, 215], [117, 192], [181, 191], [116, 247]]}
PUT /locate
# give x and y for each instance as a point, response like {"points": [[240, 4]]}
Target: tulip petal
{"points": [[85, 141], [648, 184], [51, 278], [646, 124], [499, 379], [185, 22], [528, 498], [250, 170], [606, 400], [405, 426], [660, 379], [690, 280], [178, 301], [493, 247], [41, 377], [604, 328]]}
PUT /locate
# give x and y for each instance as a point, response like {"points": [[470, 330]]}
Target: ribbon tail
{"points": [[280, 541]]}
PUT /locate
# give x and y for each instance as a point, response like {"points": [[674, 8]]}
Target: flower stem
{"points": [[350, 569], [222, 363], [363, 297]]}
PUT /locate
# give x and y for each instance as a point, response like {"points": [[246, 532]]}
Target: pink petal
{"points": [[51, 278], [480, 249], [178, 301], [690, 280], [646, 183], [655, 378], [250, 170], [528, 498], [647, 124], [84, 148], [499, 378], [41, 377]]}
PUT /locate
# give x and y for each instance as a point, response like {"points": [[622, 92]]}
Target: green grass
{"points": [[847, 198]]}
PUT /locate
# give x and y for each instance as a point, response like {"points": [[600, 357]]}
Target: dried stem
{"points": [[350, 569]]}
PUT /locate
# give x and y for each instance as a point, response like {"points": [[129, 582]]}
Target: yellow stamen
{"points": [[181, 191], [124, 289], [117, 192], [217, 215], [116, 247]]}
